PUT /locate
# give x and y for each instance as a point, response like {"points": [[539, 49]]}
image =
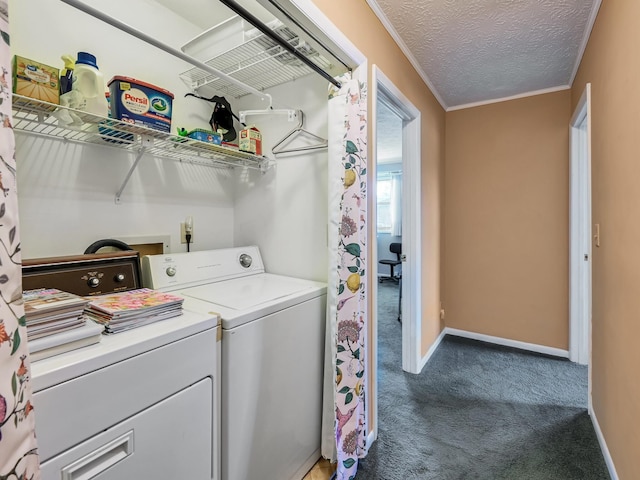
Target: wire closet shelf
{"points": [[39, 118], [259, 62]]}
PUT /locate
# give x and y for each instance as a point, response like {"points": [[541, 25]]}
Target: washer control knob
{"points": [[246, 260], [93, 282], [119, 277], [171, 271]]}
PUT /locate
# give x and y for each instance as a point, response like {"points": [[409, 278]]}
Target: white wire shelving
{"points": [[259, 62], [39, 118]]}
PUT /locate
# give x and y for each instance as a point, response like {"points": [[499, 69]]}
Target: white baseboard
{"points": [[532, 347], [370, 439], [431, 351], [603, 445]]}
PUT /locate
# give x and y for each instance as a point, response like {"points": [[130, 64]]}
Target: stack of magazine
{"points": [[125, 310], [55, 322], [49, 311]]}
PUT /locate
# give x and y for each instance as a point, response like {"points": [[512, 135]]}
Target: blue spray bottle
{"points": [[66, 76]]}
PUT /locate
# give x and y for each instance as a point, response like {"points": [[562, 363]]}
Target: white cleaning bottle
{"points": [[89, 83]]}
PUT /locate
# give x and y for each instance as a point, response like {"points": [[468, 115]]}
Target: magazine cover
{"points": [[44, 302], [133, 302]]}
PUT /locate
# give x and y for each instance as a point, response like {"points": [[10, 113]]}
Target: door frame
{"points": [[580, 273], [384, 90]]}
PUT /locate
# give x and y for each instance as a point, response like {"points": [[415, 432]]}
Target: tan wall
{"points": [[612, 65], [371, 38], [506, 216]]}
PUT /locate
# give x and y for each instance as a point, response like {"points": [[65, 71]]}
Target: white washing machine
{"points": [[142, 404], [272, 356]]}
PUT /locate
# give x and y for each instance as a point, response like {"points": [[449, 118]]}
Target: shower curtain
{"points": [[18, 454], [345, 409]]}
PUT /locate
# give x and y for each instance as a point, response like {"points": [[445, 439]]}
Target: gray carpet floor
{"points": [[479, 411]]}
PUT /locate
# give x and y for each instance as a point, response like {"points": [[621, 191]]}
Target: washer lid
{"points": [[248, 292]]}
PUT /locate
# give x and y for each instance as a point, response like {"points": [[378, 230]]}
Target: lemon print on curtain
{"points": [[351, 312], [18, 454]]}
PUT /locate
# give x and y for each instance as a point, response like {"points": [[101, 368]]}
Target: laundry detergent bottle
{"points": [[88, 82]]}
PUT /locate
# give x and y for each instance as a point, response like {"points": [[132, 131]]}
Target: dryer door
{"points": [[172, 439]]}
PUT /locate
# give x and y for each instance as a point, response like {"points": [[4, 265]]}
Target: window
{"points": [[389, 201], [383, 196]]}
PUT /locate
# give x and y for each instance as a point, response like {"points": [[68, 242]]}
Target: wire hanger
{"points": [[281, 146]]}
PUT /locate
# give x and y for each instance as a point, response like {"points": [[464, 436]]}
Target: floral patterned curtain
{"points": [[18, 454], [348, 308]]}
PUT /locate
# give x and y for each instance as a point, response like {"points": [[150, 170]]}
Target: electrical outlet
{"points": [[442, 314], [183, 234]]}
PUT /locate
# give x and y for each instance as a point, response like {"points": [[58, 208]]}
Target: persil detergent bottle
{"points": [[89, 83]]}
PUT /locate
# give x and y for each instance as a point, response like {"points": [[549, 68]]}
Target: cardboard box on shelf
{"points": [[250, 140], [36, 80], [206, 136]]}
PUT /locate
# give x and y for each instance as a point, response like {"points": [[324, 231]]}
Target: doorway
{"points": [[388, 193], [581, 234], [385, 93]]}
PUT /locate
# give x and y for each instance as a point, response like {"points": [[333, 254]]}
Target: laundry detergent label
{"points": [[135, 101]]}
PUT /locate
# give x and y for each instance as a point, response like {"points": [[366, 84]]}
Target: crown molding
{"points": [[585, 40], [512, 97]]}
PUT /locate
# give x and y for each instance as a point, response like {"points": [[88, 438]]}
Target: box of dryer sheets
{"points": [[250, 140], [140, 103], [36, 80], [206, 136]]}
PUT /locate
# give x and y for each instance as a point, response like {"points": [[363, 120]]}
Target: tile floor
{"points": [[321, 471]]}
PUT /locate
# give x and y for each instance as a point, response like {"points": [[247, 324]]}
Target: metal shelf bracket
{"points": [[139, 155], [291, 114]]}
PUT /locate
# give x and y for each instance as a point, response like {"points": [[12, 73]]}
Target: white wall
{"points": [[66, 198], [287, 215], [66, 192]]}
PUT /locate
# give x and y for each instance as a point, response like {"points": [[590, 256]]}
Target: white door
{"points": [[580, 232]]}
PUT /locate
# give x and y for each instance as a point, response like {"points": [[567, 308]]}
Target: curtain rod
{"points": [[253, 20], [166, 48]]}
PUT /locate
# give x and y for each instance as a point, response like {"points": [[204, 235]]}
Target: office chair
{"points": [[397, 249]]}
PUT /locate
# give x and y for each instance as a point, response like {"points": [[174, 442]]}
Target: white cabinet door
{"points": [[169, 440]]}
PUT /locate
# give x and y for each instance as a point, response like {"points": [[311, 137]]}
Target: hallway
{"points": [[479, 411]]}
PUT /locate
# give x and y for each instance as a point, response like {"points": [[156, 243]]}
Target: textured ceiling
{"points": [[468, 51], [477, 51]]}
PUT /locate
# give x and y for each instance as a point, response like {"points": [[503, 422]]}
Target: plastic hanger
{"points": [[281, 146]]}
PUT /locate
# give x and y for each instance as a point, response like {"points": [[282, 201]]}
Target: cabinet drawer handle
{"points": [[100, 459]]}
